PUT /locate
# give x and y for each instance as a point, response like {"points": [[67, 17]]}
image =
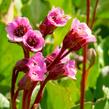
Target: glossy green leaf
{"points": [[10, 53], [105, 46], [60, 33], [25, 1], [4, 6], [87, 105], [35, 11], [60, 95]]}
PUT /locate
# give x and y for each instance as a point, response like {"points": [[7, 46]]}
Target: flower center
{"points": [[20, 31], [32, 41], [54, 18]]}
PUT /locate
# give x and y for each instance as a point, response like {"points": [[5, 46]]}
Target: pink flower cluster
{"points": [[55, 65], [20, 31]]}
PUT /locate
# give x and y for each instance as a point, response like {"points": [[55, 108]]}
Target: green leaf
{"points": [[92, 76], [4, 103], [87, 105], [106, 91], [103, 8], [10, 54], [4, 6], [25, 1], [105, 46], [35, 11], [57, 97], [60, 33], [102, 104], [61, 95], [69, 9]]}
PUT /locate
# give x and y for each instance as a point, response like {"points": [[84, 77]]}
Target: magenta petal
{"points": [[56, 17], [17, 29], [79, 35], [37, 67], [33, 40], [70, 69]]}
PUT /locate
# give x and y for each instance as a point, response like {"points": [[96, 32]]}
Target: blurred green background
{"points": [[64, 93]]}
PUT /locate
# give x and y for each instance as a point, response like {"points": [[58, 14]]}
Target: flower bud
{"points": [[91, 57], [79, 35], [22, 65]]}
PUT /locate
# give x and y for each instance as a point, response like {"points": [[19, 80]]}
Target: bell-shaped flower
{"points": [[37, 69], [33, 40], [55, 18], [17, 29], [79, 35], [60, 70]]}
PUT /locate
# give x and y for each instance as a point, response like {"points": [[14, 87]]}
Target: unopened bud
{"points": [[91, 57]]}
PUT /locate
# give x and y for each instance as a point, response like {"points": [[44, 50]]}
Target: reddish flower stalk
{"points": [[25, 51], [14, 100], [94, 13], [13, 94], [84, 61], [39, 95], [83, 77], [56, 60], [27, 97], [24, 105], [14, 76]]}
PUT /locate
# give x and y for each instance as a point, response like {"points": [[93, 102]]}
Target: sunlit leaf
{"points": [[4, 103]]}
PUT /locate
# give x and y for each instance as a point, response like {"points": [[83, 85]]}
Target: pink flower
{"points": [[70, 69], [79, 35], [37, 69], [55, 18], [61, 69], [17, 29], [33, 40]]}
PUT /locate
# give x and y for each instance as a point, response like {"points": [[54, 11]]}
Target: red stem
{"points": [[88, 12], [84, 61], [83, 78], [28, 97], [26, 52], [24, 105], [14, 75], [39, 95], [56, 60], [14, 78], [14, 100], [94, 13]]}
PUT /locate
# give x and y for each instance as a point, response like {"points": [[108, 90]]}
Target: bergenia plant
{"points": [[37, 69]]}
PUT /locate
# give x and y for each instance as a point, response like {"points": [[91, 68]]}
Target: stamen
{"points": [[20, 31]]}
